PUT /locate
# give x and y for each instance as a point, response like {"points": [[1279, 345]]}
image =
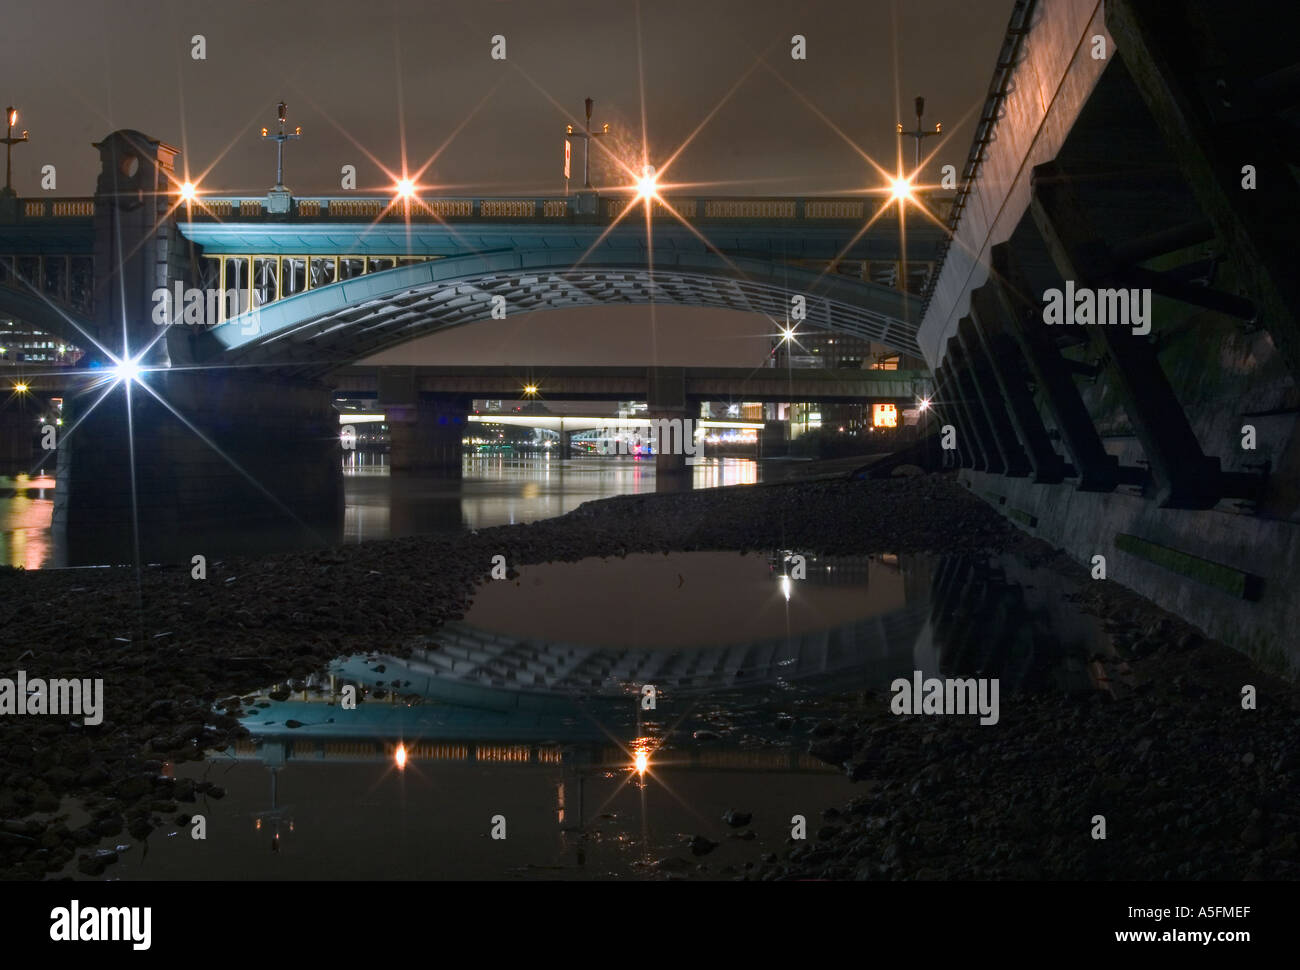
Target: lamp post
{"points": [[11, 117], [919, 134], [279, 196], [586, 135]]}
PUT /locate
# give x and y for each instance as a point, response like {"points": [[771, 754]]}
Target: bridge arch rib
{"points": [[314, 332]]}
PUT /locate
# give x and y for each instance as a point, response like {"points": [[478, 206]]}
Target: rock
{"points": [[701, 845], [737, 819]]}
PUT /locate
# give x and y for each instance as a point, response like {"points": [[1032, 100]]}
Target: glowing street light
{"points": [[11, 116], [901, 189], [20, 388], [647, 186], [925, 403], [406, 188], [188, 191]]}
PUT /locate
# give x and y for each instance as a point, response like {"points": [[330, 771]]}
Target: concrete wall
{"points": [[1049, 88]]}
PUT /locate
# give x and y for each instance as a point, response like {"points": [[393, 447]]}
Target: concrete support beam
{"points": [[1006, 365], [1098, 471], [948, 403], [1216, 114], [1183, 476], [992, 402], [968, 400]]}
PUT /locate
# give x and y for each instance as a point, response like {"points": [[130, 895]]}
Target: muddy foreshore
{"points": [[1191, 785]]}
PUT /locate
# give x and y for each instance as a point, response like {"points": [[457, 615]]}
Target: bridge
{"points": [[1144, 148], [227, 320]]}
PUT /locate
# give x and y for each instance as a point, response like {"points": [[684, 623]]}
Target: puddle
{"points": [[531, 708]]}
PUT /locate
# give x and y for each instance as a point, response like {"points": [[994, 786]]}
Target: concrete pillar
{"points": [[138, 250], [1097, 471], [991, 400], [426, 435], [255, 463], [1004, 360], [674, 426]]}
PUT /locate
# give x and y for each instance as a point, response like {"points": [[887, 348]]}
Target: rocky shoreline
{"points": [[1191, 785]]}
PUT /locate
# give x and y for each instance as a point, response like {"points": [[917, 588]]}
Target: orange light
{"points": [[884, 416], [13, 117], [188, 192], [405, 188], [901, 189], [399, 756], [647, 185], [641, 760], [20, 388]]}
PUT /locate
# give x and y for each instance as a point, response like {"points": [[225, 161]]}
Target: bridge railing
{"points": [[534, 208], [74, 208], [348, 208]]}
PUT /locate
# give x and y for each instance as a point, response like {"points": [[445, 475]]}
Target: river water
{"points": [[379, 505]]}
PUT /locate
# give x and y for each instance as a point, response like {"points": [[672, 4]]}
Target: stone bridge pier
{"points": [[180, 458], [424, 429], [670, 409]]}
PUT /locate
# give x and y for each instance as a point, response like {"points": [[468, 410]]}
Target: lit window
{"points": [[884, 416]]}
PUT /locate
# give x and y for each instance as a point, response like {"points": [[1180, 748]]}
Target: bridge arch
{"points": [[314, 332]]}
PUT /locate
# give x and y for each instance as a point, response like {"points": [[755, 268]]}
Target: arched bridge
{"points": [[341, 279]]}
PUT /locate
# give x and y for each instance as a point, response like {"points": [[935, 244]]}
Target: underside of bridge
{"points": [[315, 332], [1163, 172]]}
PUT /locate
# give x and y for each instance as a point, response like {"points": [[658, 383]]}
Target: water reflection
{"points": [[491, 491], [553, 735], [26, 505]]}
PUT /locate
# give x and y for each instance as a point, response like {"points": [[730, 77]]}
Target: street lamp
{"points": [[586, 135], [278, 197], [11, 117], [919, 134]]}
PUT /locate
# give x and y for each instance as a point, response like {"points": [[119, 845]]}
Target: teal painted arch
{"points": [[313, 332]]}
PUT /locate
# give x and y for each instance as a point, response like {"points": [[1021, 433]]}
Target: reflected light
{"points": [[641, 760], [399, 756], [786, 587]]}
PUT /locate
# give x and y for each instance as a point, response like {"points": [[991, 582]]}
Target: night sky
{"points": [[362, 78]]}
